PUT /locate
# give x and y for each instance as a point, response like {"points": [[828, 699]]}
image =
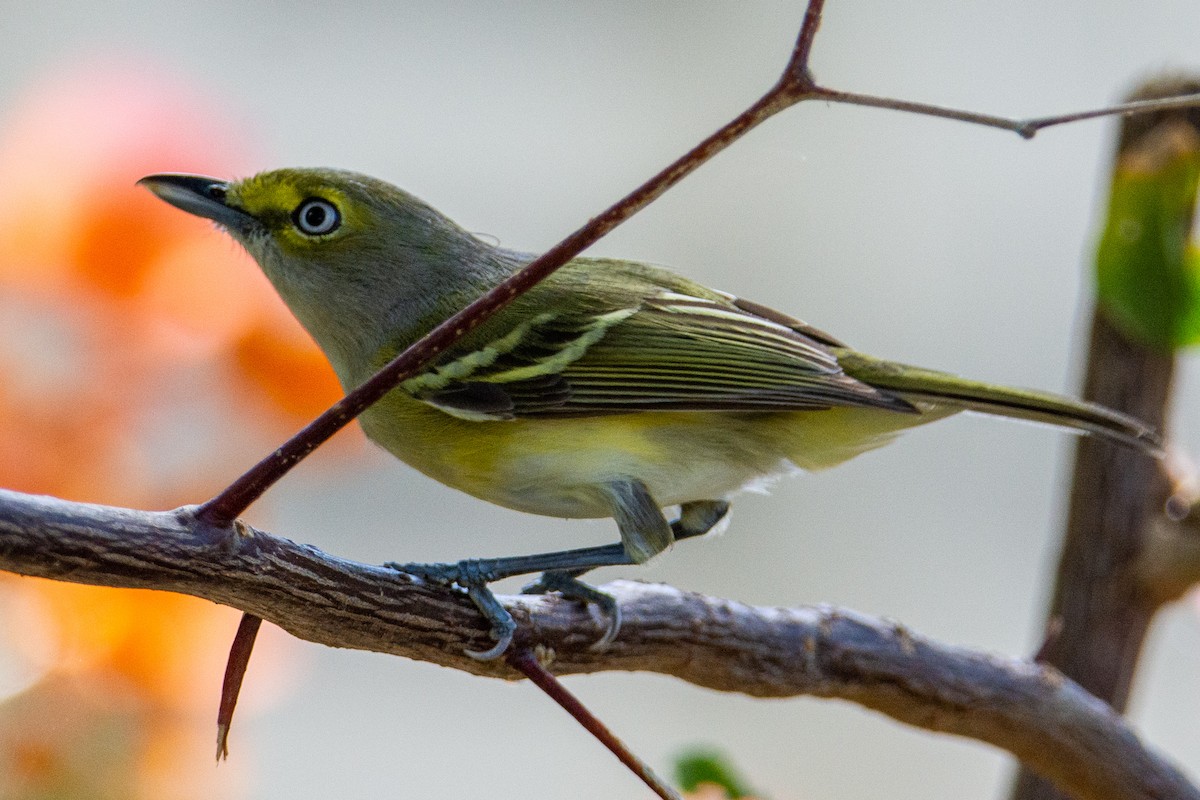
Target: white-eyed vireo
{"points": [[611, 389]]}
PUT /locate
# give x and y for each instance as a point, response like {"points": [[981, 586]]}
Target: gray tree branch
{"points": [[1047, 721]]}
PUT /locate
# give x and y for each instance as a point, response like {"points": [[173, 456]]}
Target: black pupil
{"points": [[315, 216]]}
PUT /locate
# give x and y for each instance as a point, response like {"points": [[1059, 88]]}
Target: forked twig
{"points": [[794, 85]]}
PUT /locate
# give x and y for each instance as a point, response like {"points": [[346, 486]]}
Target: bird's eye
{"points": [[316, 217]]}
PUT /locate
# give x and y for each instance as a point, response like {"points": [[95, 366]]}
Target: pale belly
{"points": [[557, 467]]}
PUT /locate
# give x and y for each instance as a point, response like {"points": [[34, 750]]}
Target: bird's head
{"points": [[358, 261]]}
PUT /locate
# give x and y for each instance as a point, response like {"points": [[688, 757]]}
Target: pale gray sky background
{"points": [[935, 243]]}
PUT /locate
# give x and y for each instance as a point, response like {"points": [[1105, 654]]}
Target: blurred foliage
{"points": [[1148, 269], [705, 773], [144, 361]]}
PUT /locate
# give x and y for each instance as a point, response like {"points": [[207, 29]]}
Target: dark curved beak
{"points": [[199, 195]]}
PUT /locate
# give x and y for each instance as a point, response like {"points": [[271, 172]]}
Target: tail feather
{"points": [[914, 383]]}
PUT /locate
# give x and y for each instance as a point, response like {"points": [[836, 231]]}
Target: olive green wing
{"points": [[668, 351]]}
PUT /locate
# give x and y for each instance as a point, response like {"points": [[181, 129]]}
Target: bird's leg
{"points": [[696, 518], [644, 531]]}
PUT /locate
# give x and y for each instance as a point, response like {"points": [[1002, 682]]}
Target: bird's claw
{"points": [[568, 585], [472, 576], [503, 624]]}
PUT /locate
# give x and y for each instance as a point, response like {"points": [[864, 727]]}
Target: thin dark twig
{"points": [[524, 661], [237, 497], [925, 109], [1124, 109], [1026, 128], [797, 67]]}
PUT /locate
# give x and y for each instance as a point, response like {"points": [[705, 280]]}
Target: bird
{"points": [[612, 388]]}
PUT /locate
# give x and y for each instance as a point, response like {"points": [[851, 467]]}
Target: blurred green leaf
{"points": [[1148, 273], [699, 766]]}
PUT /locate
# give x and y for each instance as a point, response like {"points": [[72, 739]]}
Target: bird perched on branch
{"points": [[610, 389]]}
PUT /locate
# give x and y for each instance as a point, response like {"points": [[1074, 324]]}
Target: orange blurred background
{"points": [[142, 356]]}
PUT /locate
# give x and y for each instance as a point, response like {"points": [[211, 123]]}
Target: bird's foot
{"points": [[472, 576], [567, 583]]}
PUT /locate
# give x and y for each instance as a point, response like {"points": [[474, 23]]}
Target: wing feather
{"points": [[673, 351]]}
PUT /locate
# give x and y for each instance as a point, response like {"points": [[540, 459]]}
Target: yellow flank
{"points": [[556, 467]]}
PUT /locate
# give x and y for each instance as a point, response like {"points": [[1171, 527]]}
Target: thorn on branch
{"points": [[235, 671]]}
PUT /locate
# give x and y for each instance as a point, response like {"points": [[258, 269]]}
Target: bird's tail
{"points": [[914, 383]]}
